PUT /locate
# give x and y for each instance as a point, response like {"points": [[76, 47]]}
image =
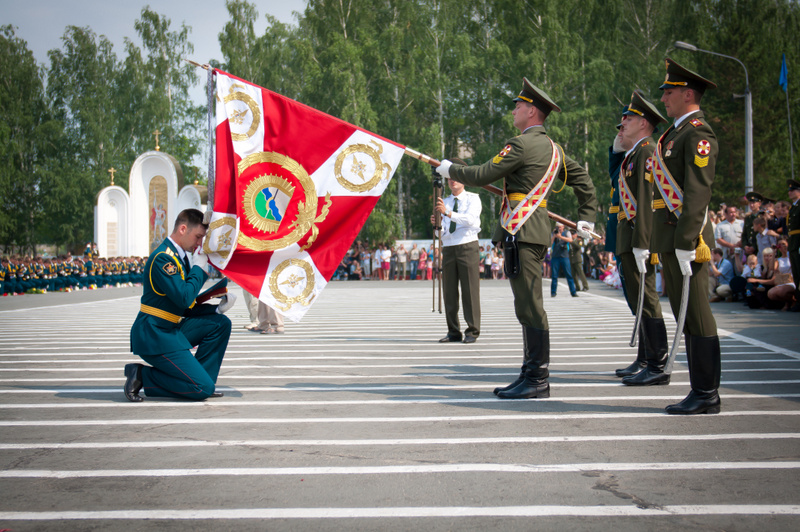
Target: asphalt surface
{"points": [[357, 419]]}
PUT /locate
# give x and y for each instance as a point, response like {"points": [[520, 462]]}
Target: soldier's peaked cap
{"points": [[678, 76], [534, 95], [793, 184], [754, 196], [641, 107]]}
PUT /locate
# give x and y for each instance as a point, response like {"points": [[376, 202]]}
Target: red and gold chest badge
{"points": [[499, 157]]}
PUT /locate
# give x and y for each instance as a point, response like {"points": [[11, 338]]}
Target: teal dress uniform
{"points": [[690, 153], [162, 337], [522, 163]]}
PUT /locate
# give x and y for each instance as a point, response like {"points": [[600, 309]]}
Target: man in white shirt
{"points": [[461, 223], [728, 233]]}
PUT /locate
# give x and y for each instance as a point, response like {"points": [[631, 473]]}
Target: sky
{"points": [[42, 22]]}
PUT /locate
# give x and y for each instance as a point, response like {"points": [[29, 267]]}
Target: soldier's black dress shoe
{"points": [[697, 403], [449, 339], [470, 339], [133, 382], [633, 369], [527, 390], [646, 377], [216, 394]]}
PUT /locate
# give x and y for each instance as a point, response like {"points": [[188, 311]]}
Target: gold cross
{"points": [[157, 133], [111, 171]]}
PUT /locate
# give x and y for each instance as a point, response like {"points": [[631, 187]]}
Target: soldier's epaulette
{"points": [[169, 252], [645, 143], [696, 122]]}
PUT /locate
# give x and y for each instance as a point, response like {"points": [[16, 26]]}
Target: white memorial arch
{"points": [[134, 222]]}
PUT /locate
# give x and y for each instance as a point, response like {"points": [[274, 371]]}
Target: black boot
{"points": [[705, 366], [133, 382], [521, 370], [655, 340], [537, 360], [638, 364]]}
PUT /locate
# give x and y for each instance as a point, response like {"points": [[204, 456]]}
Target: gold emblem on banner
{"points": [[223, 239], [281, 287], [358, 167], [268, 218], [238, 115]]}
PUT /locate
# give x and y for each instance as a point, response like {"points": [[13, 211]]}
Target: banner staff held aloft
{"points": [[530, 164]]}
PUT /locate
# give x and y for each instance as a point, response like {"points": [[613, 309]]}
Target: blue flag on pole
{"points": [[784, 81]]}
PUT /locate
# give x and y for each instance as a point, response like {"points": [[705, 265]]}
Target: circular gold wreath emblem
{"points": [[358, 167], [224, 242], [238, 116], [306, 210], [285, 302], [252, 192]]}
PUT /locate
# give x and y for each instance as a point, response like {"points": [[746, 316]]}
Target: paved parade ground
{"points": [[357, 419]]}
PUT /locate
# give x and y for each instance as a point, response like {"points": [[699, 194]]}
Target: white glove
{"points": [[444, 169], [226, 303], [200, 259], [641, 256], [685, 258], [583, 229]]}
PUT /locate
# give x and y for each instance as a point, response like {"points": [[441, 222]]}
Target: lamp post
{"points": [[748, 114]]}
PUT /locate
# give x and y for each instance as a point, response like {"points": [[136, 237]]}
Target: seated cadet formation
{"points": [[170, 322]]}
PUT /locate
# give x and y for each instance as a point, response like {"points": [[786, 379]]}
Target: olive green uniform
{"points": [[635, 233], [749, 233], [690, 154], [692, 166], [523, 166]]}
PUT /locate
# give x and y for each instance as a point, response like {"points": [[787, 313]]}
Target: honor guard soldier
{"points": [[162, 336], [749, 244], [530, 164], [639, 122], [683, 173], [793, 224]]}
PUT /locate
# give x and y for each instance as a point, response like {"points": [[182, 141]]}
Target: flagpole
{"points": [[791, 143], [495, 190]]}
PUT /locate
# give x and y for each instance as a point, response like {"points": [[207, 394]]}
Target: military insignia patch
{"points": [[170, 268], [701, 162], [499, 157], [703, 147], [696, 123], [648, 164]]}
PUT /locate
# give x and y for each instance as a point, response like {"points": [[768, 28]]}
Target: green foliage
{"points": [[435, 75]]}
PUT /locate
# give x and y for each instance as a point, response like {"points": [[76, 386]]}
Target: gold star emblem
{"points": [[293, 280], [225, 240], [358, 168]]}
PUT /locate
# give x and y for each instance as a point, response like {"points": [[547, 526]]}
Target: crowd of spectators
{"points": [[752, 265]]}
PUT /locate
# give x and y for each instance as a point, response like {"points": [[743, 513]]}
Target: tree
{"points": [[26, 136]]}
